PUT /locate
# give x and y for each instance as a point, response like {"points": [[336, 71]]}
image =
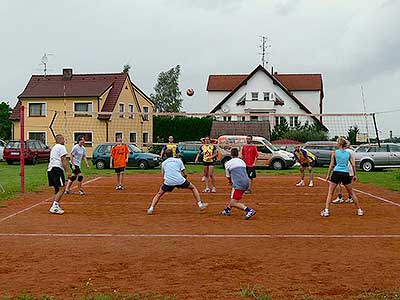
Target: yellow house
{"points": [[97, 106]]}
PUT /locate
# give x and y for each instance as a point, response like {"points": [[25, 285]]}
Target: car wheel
{"points": [[143, 164], [10, 162], [224, 160], [367, 166], [34, 160], [277, 164], [100, 164]]}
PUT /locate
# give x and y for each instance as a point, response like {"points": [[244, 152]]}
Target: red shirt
{"points": [[249, 154]]}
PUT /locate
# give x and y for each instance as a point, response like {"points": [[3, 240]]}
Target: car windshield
{"points": [[266, 142], [134, 149], [13, 145]]}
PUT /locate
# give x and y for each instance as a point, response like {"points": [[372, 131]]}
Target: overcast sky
{"points": [[352, 43]]}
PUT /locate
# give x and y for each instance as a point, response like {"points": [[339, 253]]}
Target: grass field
{"points": [[36, 179]]}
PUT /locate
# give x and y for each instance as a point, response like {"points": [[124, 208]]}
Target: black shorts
{"points": [[77, 170], [208, 163], [56, 177], [308, 164], [119, 170], [170, 188], [340, 177], [251, 172]]}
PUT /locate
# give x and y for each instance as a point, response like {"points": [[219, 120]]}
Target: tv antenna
{"points": [[264, 46], [44, 62]]}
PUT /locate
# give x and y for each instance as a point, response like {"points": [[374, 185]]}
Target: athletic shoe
{"points": [[150, 211], [360, 212], [338, 200], [325, 212], [311, 184], [213, 190], [120, 187], [203, 178], [203, 206], [82, 192], [225, 213], [350, 201], [301, 183], [68, 192], [117, 187], [251, 213], [207, 190], [248, 192], [56, 210]]}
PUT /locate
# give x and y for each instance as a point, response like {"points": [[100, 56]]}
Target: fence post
{"points": [[22, 148]]}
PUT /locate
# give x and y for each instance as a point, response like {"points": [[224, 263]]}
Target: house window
{"points": [[87, 135], [254, 96], [243, 119], [253, 118], [37, 109], [145, 138], [132, 137], [119, 133], [266, 96], [145, 113], [38, 135], [293, 121], [228, 118], [131, 110], [83, 109], [121, 109], [280, 120]]}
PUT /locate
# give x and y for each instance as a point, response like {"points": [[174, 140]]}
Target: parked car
{"points": [[322, 151], [269, 155], [2, 145], [188, 151], [371, 156], [137, 158], [35, 151]]}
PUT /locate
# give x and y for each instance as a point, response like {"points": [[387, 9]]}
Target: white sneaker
{"points": [[207, 190], [325, 212], [301, 183], [311, 184], [350, 201], [203, 178], [338, 200], [203, 206], [213, 190], [82, 192], [56, 210], [360, 212], [150, 211]]}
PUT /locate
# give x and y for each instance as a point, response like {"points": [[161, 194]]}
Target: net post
{"points": [[22, 148], [376, 130]]}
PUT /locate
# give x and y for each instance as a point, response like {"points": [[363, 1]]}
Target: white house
{"points": [[261, 92]]}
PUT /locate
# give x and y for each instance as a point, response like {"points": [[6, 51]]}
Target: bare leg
{"points": [[211, 175], [57, 197], [207, 174], [195, 192], [332, 187], [235, 203], [310, 170], [69, 184], [118, 176], [157, 198], [121, 178], [302, 173], [351, 192], [79, 182]]}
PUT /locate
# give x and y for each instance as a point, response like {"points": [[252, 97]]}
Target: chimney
{"points": [[67, 74]]}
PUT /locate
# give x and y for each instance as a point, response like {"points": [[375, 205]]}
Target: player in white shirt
{"points": [[78, 153], [55, 172]]}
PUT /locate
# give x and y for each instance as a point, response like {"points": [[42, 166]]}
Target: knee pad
{"points": [[56, 189], [73, 178], [80, 178]]}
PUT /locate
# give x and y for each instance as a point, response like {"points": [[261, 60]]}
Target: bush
{"points": [[301, 133]]}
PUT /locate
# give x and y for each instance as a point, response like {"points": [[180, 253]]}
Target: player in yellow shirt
{"points": [[171, 146], [209, 153], [306, 160]]}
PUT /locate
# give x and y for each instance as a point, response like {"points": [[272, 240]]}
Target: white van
{"points": [[269, 155]]}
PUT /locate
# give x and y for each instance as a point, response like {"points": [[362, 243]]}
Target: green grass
{"points": [[256, 292], [36, 178]]}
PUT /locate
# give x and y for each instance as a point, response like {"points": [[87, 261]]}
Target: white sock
{"points": [[55, 204], [151, 208], [199, 203]]}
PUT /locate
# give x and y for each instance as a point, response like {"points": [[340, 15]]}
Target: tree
{"points": [[167, 97], [352, 134], [301, 133], [5, 123], [126, 68], [280, 130]]}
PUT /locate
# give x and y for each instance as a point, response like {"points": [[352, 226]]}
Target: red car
{"points": [[35, 151]]}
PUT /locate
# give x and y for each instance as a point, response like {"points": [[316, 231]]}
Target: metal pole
{"points": [[22, 148], [376, 130]]}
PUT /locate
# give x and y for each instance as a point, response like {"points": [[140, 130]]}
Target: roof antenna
{"points": [[44, 61], [264, 46]]}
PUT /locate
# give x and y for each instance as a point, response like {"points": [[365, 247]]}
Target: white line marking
{"points": [[37, 204], [222, 203], [217, 236], [369, 194]]}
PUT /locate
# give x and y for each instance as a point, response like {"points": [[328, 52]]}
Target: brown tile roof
{"points": [[80, 85], [293, 82], [15, 114]]}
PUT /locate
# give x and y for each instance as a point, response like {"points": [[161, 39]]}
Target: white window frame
{"points": [[293, 121], [130, 132], [131, 114], [148, 134], [253, 98], [118, 133], [36, 102], [146, 115], [83, 114], [123, 109], [86, 142], [266, 98], [38, 131]]}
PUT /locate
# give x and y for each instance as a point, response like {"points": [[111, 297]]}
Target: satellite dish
{"points": [[225, 108]]}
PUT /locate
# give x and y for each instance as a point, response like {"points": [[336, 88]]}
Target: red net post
{"points": [[22, 149]]}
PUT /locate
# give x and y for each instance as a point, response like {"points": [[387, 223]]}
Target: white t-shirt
{"points": [[56, 153], [78, 152], [172, 168], [352, 156]]}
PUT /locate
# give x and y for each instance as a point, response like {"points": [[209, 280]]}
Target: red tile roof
{"points": [[293, 82], [15, 114], [80, 85]]}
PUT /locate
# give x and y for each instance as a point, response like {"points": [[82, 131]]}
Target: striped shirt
{"points": [[236, 171]]}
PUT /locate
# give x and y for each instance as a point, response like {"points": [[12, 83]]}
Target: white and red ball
{"points": [[190, 92]]}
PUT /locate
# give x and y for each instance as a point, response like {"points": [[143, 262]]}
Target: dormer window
{"points": [[254, 96], [266, 96]]}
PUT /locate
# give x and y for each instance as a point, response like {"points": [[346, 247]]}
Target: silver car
{"points": [[2, 145], [371, 156]]}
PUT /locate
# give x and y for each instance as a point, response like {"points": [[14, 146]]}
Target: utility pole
{"points": [[265, 44]]}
